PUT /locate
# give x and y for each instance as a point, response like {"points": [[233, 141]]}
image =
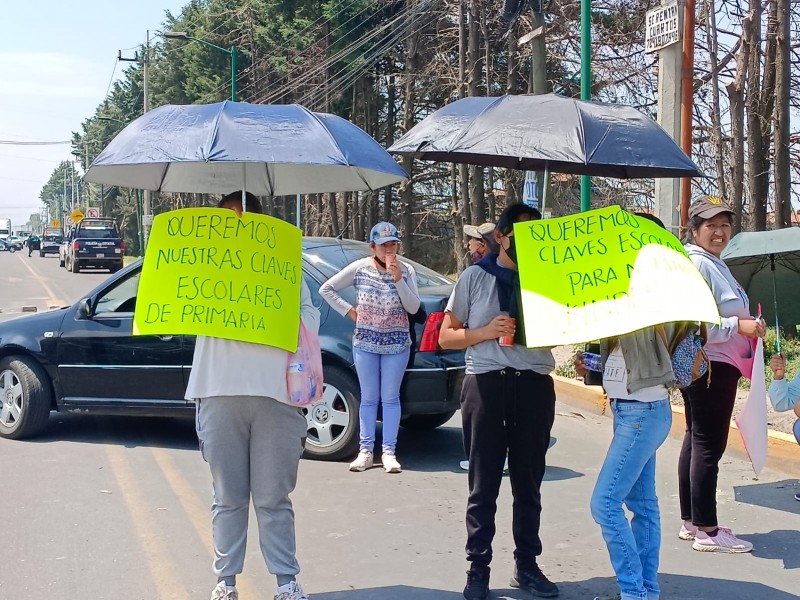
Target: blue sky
{"points": [[56, 61]]}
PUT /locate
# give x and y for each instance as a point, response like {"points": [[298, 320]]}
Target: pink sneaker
{"points": [[688, 531], [724, 541]]}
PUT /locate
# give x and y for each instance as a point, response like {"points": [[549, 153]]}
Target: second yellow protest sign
{"points": [[603, 273], [209, 272]]}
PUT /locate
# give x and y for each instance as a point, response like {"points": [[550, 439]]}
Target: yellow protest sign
{"points": [[603, 273], [209, 272]]}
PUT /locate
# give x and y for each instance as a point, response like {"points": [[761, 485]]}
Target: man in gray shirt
{"points": [[507, 406]]}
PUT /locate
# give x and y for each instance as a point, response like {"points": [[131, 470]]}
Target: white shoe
{"points": [[390, 464], [224, 592], [724, 541], [290, 591], [363, 461], [688, 531]]}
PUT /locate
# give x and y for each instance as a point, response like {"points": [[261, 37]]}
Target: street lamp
{"points": [[182, 35]]}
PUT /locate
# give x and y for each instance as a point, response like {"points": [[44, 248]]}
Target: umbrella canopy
{"points": [[270, 150], [548, 132], [767, 265]]}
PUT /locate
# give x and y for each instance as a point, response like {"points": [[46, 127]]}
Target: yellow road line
{"points": [[43, 280], [197, 511], [159, 562]]}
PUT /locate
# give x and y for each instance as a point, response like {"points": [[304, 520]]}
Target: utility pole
{"points": [[670, 72], [537, 81], [147, 218]]}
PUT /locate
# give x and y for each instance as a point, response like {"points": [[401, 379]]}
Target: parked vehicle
{"points": [[93, 243], [84, 359], [51, 242], [6, 246], [5, 228]]}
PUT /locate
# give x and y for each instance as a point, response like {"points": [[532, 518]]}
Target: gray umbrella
{"points": [[766, 263], [271, 149], [548, 132]]}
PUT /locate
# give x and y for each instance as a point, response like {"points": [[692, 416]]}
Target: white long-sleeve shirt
{"points": [[383, 304], [223, 367]]}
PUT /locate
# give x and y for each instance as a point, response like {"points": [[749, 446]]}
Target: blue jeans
{"points": [[380, 376], [629, 475]]}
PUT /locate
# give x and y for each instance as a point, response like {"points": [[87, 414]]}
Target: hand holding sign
{"points": [[210, 272]]}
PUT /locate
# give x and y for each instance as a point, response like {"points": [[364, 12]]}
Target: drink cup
{"points": [[507, 340]]}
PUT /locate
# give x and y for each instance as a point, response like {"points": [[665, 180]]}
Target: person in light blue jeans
{"points": [[636, 373], [386, 293]]}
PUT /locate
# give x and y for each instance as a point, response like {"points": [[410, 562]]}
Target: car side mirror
{"points": [[85, 308]]}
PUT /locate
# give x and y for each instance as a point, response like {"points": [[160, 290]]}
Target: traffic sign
{"points": [[662, 27], [76, 216], [92, 213], [56, 223]]}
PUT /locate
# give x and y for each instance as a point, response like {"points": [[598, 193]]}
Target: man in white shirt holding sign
{"points": [[252, 439]]}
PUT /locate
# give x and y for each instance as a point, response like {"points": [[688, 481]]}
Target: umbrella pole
{"points": [[244, 187], [298, 212], [545, 185], [775, 300]]}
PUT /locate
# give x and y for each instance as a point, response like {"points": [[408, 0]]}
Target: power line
{"points": [[282, 89], [19, 143]]}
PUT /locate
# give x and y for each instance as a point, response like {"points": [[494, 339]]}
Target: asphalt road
{"points": [[38, 282], [118, 509]]}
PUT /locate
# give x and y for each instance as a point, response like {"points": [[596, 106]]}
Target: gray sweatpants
{"points": [[253, 446]]}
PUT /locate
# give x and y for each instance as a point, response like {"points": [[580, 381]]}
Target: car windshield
{"points": [[335, 257], [102, 231]]}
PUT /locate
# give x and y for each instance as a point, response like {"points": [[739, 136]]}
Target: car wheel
{"points": [[76, 265], [333, 422], [25, 396], [426, 422], [12, 249], [115, 268]]}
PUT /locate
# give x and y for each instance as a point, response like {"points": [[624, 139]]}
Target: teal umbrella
{"points": [[758, 258]]}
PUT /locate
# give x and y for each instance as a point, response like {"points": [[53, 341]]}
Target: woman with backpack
{"points": [[709, 400], [637, 371]]}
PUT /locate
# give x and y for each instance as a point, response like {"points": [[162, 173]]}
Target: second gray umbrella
{"points": [[548, 132]]}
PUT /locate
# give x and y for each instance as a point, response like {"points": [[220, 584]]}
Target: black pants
{"points": [[506, 411], [708, 418]]}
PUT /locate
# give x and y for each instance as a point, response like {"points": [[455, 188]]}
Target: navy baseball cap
{"points": [[383, 232]]}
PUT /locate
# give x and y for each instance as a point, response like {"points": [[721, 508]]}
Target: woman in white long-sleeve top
{"points": [[386, 292]]}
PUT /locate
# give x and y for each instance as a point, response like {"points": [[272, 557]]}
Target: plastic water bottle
{"points": [[592, 361], [296, 382]]}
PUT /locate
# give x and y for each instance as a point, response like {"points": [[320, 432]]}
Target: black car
{"points": [[83, 359], [6, 246]]}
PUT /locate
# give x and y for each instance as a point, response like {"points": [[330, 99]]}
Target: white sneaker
{"points": [[688, 531], [290, 591], [390, 464], [724, 541], [224, 592], [363, 461]]}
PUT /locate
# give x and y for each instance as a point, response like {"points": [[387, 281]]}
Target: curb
{"points": [[783, 453]]}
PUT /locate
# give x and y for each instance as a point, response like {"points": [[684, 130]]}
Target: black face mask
{"points": [[511, 251]]}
